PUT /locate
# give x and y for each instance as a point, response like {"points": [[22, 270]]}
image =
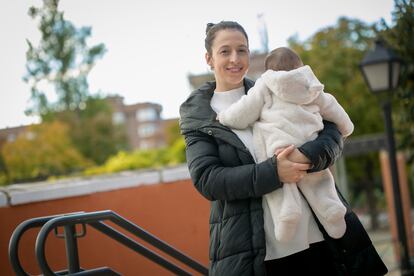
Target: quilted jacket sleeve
{"points": [[325, 149], [217, 182]]}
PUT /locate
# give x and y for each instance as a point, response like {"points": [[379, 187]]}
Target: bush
{"points": [[140, 159], [41, 151]]}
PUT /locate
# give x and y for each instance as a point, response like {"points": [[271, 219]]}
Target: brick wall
{"points": [[164, 203]]}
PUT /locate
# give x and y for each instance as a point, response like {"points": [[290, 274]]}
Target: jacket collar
{"points": [[196, 112]]}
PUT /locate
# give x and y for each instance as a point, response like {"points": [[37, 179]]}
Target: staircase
{"points": [[97, 220]]}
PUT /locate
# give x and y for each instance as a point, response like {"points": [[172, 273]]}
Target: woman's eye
{"points": [[224, 52]]}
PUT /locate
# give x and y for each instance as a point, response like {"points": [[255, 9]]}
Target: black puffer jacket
{"points": [[223, 171]]}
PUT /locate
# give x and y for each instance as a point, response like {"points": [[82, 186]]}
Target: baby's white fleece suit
{"points": [[285, 108]]}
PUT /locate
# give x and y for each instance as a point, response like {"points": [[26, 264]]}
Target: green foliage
{"points": [[140, 159], [62, 59], [92, 130], [3, 171], [401, 38], [173, 133], [334, 53], [41, 151], [176, 153], [123, 161], [3, 179]]}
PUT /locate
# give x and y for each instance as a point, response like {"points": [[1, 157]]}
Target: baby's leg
{"points": [[285, 209], [319, 190]]}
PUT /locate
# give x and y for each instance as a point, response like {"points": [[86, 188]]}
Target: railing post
{"points": [[71, 248]]}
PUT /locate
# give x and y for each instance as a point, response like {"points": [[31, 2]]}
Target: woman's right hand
{"points": [[288, 171]]}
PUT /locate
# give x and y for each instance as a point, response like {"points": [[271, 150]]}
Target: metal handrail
{"points": [[94, 219], [17, 235]]}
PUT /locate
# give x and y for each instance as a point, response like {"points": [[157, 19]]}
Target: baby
{"points": [[286, 106]]}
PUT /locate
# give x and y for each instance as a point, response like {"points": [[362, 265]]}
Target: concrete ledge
{"points": [[3, 199], [175, 174], [42, 191], [26, 193], [124, 180]]}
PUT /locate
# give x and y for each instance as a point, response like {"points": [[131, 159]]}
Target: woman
{"points": [[223, 169]]}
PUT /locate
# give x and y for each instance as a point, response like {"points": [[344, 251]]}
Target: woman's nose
{"points": [[234, 57]]}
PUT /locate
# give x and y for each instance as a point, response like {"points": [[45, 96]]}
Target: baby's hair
{"points": [[212, 29], [282, 59]]}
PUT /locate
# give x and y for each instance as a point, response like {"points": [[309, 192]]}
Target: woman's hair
{"points": [[212, 29], [283, 59]]}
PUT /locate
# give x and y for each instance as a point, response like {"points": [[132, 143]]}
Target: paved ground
{"points": [[383, 243]]}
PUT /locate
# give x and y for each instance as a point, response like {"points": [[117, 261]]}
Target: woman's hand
{"points": [[291, 171], [298, 157]]}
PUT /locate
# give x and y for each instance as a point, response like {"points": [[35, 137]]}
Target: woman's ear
{"points": [[208, 60]]}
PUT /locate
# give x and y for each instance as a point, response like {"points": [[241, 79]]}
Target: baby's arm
{"points": [[246, 110], [332, 111]]}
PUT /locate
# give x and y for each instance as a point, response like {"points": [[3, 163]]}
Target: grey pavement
{"points": [[383, 243]]}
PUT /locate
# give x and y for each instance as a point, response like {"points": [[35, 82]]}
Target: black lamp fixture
{"points": [[381, 68], [381, 71]]}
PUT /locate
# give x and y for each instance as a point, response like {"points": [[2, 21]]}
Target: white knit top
{"points": [[307, 231]]}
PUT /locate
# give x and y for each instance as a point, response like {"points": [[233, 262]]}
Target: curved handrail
{"points": [[94, 219], [17, 235]]}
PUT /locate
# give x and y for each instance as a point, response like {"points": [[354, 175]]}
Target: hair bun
{"points": [[209, 26]]}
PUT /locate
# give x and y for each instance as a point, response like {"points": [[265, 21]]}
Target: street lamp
{"points": [[381, 70]]}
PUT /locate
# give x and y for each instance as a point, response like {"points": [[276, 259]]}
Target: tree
{"points": [[92, 130], [334, 54], [62, 59], [41, 151], [3, 172]]}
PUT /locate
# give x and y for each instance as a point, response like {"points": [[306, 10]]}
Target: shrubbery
{"points": [[142, 159], [41, 151]]}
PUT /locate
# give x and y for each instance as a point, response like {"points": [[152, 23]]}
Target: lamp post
{"points": [[381, 69]]}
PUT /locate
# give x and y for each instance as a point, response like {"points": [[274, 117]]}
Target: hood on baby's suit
{"points": [[299, 86]]}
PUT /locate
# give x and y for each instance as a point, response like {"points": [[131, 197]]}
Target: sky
{"points": [[152, 46]]}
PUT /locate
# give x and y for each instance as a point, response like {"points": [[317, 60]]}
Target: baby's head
{"points": [[282, 59]]}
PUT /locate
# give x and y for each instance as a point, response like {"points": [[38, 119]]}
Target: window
{"points": [[147, 114], [146, 130], [118, 118]]}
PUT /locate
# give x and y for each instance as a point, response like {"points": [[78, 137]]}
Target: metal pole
{"points": [[71, 249], [403, 245]]}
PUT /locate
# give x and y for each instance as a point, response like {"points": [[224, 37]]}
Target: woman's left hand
{"points": [[295, 156], [298, 157]]}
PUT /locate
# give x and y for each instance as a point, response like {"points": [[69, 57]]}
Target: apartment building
{"points": [[144, 125]]}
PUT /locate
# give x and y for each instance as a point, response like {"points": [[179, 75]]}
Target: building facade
{"points": [[143, 123]]}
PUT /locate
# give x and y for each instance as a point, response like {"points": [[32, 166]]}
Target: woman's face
{"points": [[229, 59]]}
